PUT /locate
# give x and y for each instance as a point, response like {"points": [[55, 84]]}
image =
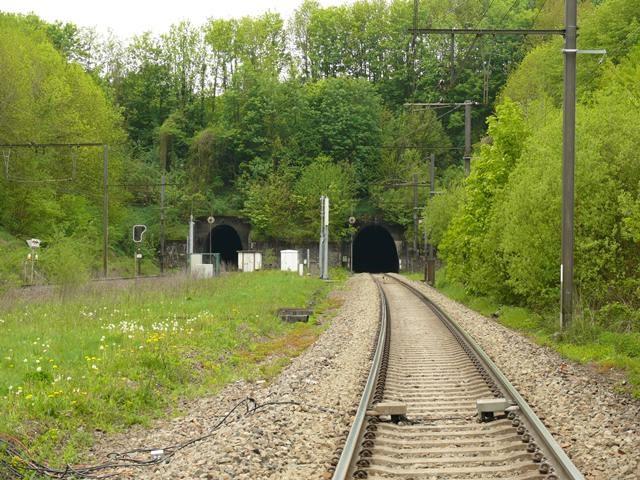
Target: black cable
{"points": [[535, 19], [15, 458]]}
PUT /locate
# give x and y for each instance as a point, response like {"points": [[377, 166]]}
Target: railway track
{"points": [[436, 407]]}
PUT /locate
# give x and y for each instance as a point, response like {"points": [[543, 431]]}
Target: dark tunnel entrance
{"points": [[375, 251], [225, 240]]}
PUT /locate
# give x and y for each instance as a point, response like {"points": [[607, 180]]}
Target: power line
{"points": [[489, 31], [508, 11], [482, 17], [535, 19]]}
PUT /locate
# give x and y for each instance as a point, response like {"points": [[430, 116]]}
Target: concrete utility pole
{"points": [[323, 253], [326, 239], [165, 145], [190, 241], [568, 162], [321, 245]]}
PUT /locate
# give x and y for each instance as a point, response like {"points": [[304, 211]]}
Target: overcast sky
{"points": [[130, 17]]}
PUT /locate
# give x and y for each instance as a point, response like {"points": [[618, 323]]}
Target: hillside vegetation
{"points": [[258, 115], [53, 193], [499, 231]]}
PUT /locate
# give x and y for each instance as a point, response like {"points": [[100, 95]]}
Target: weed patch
{"points": [[103, 362]]}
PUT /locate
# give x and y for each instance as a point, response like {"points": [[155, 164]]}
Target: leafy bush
{"points": [[504, 240], [67, 262]]}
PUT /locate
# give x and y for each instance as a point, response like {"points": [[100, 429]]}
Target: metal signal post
{"points": [[568, 162], [324, 238]]}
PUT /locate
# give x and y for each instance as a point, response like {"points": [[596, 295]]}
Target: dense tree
{"points": [[299, 196], [504, 239], [250, 106], [346, 115], [54, 191]]}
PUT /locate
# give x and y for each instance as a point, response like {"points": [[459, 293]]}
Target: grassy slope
{"points": [[584, 343], [121, 358]]}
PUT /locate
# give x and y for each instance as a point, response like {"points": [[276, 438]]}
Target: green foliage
{"points": [[248, 106], [13, 253], [504, 240], [67, 261], [53, 192], [440, 210], [284, 203], [467, 246], [338, 182], [605, 184], [614, 26], [346, 116], [269, 205]]}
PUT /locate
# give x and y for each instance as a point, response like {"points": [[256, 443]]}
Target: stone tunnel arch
{"points": [[224, 239], [375, 251]]}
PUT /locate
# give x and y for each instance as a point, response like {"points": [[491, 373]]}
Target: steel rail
{"points": [[350, 450], [564, 467]]}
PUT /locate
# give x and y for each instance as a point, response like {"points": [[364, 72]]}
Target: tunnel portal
{"points": [[225, 240], [375, 251]]}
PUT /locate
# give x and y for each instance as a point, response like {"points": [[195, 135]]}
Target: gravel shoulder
{"points": [[280, 441], [598, 428]]}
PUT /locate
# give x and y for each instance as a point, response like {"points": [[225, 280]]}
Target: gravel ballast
{"points": [[280, 441], [598, 428]]}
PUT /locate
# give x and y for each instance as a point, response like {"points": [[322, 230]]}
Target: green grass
{"points": [[121, 357], [588, 341]]}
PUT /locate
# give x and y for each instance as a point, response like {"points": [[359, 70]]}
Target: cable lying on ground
{"points": [[17, 463]]}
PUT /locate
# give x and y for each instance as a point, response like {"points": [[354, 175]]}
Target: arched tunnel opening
{"points": [[224, 240], [375, 251]]}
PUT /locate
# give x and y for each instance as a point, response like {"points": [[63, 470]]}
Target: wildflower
{"points": [[29, 397], [39, 369], [94, 367]]}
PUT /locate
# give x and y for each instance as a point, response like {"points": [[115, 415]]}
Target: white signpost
{"points": [[32, 257], [324, 238], [137, 233]]}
